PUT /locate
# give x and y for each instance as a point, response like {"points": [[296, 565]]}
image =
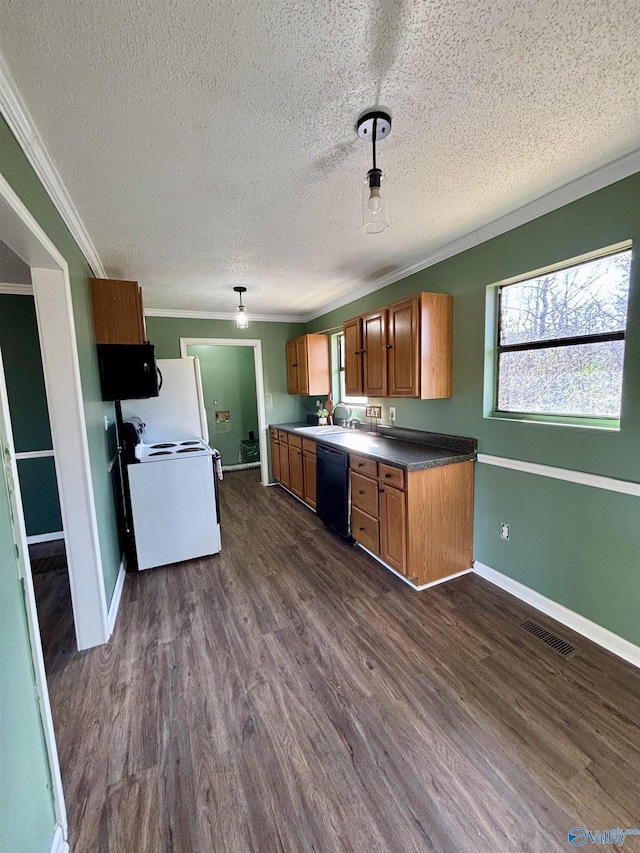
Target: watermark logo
{"points": [[578, 836]]}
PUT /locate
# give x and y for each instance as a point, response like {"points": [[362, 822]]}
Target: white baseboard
{"points": [[58, 844], [406, 579], [580, 624], [45, 537], [115, 598]]}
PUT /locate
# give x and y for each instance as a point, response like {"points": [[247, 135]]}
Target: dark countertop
{"points": [[408, 449]]}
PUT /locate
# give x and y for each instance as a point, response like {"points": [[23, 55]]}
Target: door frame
{"points": [[56, 330], [10, 469], [257, 360]]}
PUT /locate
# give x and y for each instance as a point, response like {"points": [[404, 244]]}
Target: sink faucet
{"points": [[345, 420]]}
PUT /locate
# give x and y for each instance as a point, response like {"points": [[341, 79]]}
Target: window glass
{"points": [[587, 299], [560, 346]]}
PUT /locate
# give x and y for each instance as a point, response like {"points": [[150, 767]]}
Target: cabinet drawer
{"points": [[295, 441], [364, 493], [365, 530], [283, 437], [309, 446], [368, 467], [391, 476]]}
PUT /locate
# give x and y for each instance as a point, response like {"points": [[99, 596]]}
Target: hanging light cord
{"points": [[375, 131]]}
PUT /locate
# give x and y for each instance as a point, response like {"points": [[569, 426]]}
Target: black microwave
{"points": [[128, 371]]}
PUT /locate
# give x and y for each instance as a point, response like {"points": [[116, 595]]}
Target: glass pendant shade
{"points": [[375, 205], [242, 321]]}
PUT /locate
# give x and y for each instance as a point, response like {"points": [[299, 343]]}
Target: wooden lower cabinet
{"points": [[293, 464], [309, 465], [423, 524], [284, 464], [393, 527], [296, 473], [275, 456]]}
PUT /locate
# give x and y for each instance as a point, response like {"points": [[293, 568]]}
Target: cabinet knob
{"points": [[389, 346], [361, 528], [360, 464], [361, 492], [387, 476], [380, 491]]}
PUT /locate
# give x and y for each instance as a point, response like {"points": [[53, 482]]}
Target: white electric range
{"points": [[174, 502]]}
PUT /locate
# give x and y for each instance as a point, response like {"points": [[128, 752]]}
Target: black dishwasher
{"points": [[332, 498]]}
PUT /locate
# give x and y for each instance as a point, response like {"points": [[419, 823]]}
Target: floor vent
{"points": [[556, 643]]}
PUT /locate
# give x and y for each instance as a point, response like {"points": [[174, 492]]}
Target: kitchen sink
{"points": [[321, 430]]}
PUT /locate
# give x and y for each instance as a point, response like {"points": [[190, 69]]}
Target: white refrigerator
{"points": [[173, 485]]}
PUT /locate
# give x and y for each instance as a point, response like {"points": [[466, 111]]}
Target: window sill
{"points": [[550, 420]]}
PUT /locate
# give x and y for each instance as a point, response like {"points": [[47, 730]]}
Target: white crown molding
{"points": [[218, 315], [617, 170], [16, 289], [23, 128], [580, 624], [597, 481]]}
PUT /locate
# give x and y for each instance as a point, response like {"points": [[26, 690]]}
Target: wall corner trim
{"points": [[16, 289], [58, 843], [17, 116], [117, 595], [580, 624]]}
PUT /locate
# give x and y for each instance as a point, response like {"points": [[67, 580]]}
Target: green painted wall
{"points": [[27, 818], [25, 183], [592, 568], [281, 407], [228, 376], [22, 358]]}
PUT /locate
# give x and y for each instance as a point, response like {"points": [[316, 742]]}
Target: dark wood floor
{"points": [[292, 695], [53, 599]]}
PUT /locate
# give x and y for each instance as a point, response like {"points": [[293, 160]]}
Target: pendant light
{"points": [[372, 127], [242, 321]]}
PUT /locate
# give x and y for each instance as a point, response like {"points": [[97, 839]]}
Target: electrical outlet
{"points": [[504, 531], [392, 413], [106, 423]]}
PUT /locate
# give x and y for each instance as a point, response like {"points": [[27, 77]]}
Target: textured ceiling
{"points": [[207, 145]]}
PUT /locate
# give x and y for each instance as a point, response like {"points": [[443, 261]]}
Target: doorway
{"points": [[254, 387], [56, 331]]}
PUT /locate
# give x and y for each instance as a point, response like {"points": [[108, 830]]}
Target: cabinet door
{"points": [[284, 464], [309, 464], [403, 360], [275, 459], [118, 316], [302, 365], [296, 475], [292, 368], [374, 343], [436, 345], [393, 528], [352, 334]]}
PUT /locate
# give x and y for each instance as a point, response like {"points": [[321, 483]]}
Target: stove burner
{"points": [[184, 443], [168, 444], [162, 452], [189, 449]]}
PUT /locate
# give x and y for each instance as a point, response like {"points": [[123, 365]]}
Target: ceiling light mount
{"points": [[242, 321], [365, 126], [373, 126]]}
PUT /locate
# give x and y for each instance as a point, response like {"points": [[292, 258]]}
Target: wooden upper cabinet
{"points": [[403, 348], [374, 357], [406, 349], [308, 365], [352, 334], [118, 313], [436, 345]]}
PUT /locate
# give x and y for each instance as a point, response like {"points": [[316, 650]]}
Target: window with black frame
{"points": [[561, 337]]}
